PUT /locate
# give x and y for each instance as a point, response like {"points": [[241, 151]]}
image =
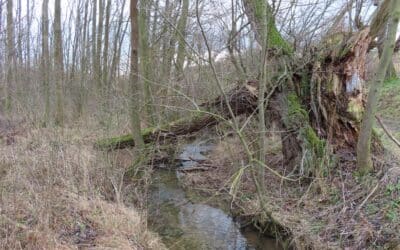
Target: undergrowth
{"points": [[58, 192]]}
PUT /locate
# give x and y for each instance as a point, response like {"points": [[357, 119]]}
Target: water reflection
{"points": [[185, 225]]}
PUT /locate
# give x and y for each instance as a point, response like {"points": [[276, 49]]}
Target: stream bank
{"points": [[184, 222]]}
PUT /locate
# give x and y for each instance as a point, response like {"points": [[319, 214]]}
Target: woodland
{"points": [[199, 124]]}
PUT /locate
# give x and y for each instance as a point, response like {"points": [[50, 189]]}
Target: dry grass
{"points": [[57, 193], [348, 213]]}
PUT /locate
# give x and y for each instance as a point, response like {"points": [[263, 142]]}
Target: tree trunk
{"points": [[20, 32], [181, 30], [105, 70], [145, 59], [98, 62], [28, 34], [94, 17], [10, 55], [45, 60], [134, 76], [58, 64], [166, 42], [364, 160]]}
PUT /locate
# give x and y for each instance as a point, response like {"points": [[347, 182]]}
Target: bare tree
{"points": [[181, 36], [134, 76], [105, 70], [58, 64], [98, 62], [10, 54], [45, 59], [93, 42], [145, 58], [364, 160]]}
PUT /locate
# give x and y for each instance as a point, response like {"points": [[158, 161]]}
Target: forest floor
{"points": [[57, 192], [340, 210]]}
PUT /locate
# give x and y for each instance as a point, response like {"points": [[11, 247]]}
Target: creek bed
{"points": [[186, 225]]}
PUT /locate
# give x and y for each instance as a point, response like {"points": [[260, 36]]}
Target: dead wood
{"points": [[242, 99]]}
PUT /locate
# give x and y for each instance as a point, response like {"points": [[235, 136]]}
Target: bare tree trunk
{"points": [[98, 63], [364, 160], [10, 54], [134, 77], [181, 36], [145, 55], [105, 70], [76, 42], [58, 64], [28, 34], [117, 45], [94, 17], [20, 34], [154, 25], [45, 60], [166, 42], [85, 52]]}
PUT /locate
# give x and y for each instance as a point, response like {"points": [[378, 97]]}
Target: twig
{"points": [[194, 169], [366, 199], [387, 131]]}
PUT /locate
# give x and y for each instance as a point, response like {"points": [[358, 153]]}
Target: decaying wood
{"points": [[197, 168], [242, 99]]}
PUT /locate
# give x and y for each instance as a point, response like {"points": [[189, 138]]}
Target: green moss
{"points": [[127, 140], [297, 116], [115, 142], [355, 108], [264, 16], [313, 142], [305, 85]]}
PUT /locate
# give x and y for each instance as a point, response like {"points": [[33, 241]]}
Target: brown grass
{"points": [[57, 192]]}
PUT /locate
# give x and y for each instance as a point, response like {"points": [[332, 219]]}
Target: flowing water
{"points": [[186, 225]]}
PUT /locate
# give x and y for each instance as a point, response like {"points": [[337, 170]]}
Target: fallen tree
{"points": [[242, 99], [319, 103]]}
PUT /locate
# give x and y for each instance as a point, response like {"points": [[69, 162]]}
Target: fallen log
{"points": [[242, 99]]}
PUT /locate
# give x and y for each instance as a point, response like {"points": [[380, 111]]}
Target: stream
{"points": [[183, 224]]}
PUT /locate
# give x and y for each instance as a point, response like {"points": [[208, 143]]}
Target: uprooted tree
{"points": [[317, 99]]}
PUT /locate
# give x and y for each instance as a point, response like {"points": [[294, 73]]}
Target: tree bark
{"points": [[58, 64], [364, 160], [181, 36], [105, 70], [134, 77], [145, 58], [45, 60], [10, 55], [98, 62], [94, 23]]}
